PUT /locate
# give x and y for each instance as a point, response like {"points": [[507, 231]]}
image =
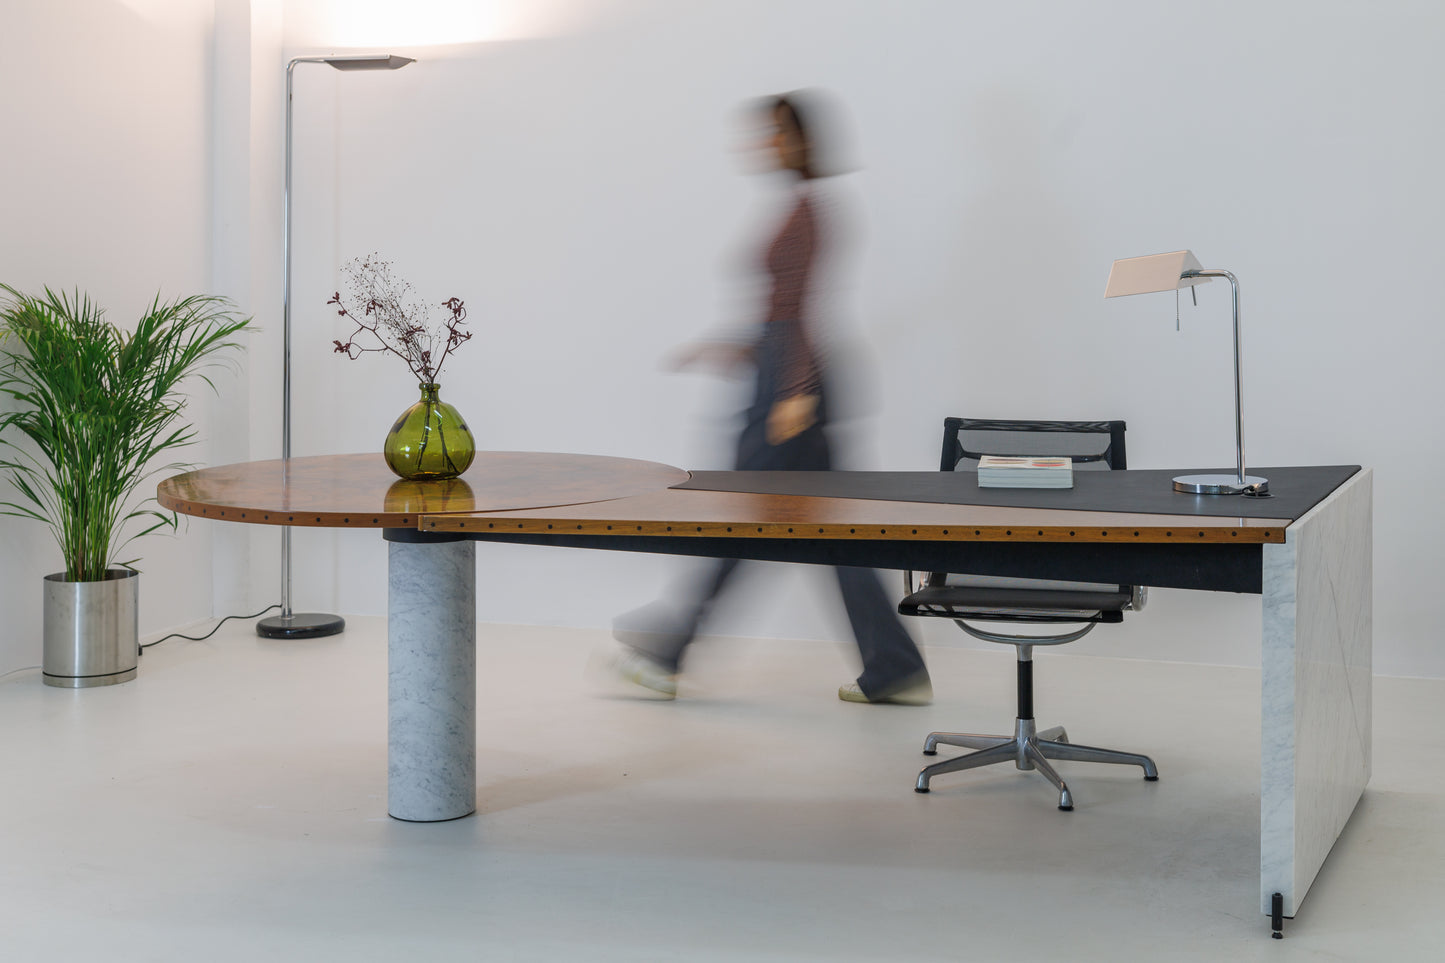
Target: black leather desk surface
{"points": [[1293, 491]]}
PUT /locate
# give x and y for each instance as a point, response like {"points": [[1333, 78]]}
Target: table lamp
{"points": [[1170, 272]]}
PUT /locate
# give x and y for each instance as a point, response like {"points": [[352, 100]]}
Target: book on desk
{"points": [[1022, 471]]}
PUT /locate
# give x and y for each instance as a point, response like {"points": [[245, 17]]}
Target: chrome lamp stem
{"points": [[1242, 483]]}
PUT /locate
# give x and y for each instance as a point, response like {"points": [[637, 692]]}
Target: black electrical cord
{"points": [[202, 638]]}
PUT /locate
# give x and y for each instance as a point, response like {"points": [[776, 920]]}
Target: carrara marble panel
{"points": [[1317, 650]]}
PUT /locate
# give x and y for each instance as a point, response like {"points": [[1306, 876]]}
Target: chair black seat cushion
{"points": [[962, 601]]}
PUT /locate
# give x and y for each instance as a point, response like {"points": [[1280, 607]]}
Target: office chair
{"points": [[1066, 611]]}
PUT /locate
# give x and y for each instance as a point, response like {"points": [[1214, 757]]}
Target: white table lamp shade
{"points": [[1152, 273]]}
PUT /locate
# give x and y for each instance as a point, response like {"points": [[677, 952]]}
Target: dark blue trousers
{"points": [[891, 660]]}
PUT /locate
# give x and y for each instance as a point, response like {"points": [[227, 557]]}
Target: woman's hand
{"points": [[729, 356], [790, 417]]}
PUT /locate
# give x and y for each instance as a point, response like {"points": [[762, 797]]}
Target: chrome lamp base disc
{"points": [[300, 625], [1221, 484]]}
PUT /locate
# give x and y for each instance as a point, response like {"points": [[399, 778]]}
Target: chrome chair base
{"points": [[1027, 749]]}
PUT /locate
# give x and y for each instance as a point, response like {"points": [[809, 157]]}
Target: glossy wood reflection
{"points": [[359, 491], [711, 514]]}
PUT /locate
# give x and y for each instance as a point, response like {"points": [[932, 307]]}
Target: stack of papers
{"points": [[1017, 471]]}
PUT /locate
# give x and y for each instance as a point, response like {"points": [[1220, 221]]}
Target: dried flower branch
{"points": [[386, 308]]}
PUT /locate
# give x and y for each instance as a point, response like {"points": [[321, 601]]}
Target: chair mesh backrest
{"points": [[1093, 445]]}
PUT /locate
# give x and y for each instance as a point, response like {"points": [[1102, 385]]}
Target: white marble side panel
{"points": [[431, 680], [1317, 638]]}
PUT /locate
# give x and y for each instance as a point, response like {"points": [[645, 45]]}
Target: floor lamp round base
{"points": [[1221, 485], [300, 625]]}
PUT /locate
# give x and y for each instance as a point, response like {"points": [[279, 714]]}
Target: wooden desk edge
{"points": [[1183, 528], [259, 516]]}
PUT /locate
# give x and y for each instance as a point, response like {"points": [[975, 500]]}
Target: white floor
{"points": [[230, 805]]}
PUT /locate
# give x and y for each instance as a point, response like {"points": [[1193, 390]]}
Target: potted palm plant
{"points": [[95, 407]]}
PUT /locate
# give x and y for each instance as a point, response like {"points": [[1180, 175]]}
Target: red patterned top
{"points": [[790, 260]]}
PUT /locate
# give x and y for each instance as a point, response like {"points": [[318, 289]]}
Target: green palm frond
{"points": [[95, 407]]}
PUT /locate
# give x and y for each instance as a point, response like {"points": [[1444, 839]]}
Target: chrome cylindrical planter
{"points": [[91, 630]]}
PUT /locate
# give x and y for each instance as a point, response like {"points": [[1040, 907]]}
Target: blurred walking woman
{"points": [[784, 430]]}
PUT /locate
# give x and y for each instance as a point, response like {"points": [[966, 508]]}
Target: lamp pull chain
{"points": [[1193, 296]]}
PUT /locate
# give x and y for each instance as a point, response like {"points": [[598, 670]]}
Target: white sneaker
{"points": [[629, 665], [918, 694]]}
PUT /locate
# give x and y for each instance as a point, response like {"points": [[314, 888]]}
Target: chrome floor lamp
{"points": [[289, 624]]}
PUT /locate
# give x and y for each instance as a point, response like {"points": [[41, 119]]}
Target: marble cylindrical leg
{"points": [[431, 680]]}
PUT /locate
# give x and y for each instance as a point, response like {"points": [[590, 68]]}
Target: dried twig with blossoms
{"points": [[386, 307]]}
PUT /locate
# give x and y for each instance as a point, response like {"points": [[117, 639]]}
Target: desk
{"points": [[1313, 569]]}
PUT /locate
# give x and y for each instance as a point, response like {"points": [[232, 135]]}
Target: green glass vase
{"points": [[430, 440]]}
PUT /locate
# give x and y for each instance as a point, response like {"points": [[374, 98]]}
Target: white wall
{"points": [[578, 191], [105, 185], [246, 252]]}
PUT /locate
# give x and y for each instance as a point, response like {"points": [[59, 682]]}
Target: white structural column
{"points": [[1315, 751], [431, 680]]}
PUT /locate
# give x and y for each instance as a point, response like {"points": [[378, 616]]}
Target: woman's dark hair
{"points": [[806, 113]]}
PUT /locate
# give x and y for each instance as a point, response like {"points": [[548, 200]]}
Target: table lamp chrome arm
{"points": [[1242, 483], [1241, 477]]}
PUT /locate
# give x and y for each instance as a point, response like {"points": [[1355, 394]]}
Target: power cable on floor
{"points": [[202, 638]]}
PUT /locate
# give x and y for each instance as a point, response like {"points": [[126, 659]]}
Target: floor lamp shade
{"points": [[289, 624]]}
